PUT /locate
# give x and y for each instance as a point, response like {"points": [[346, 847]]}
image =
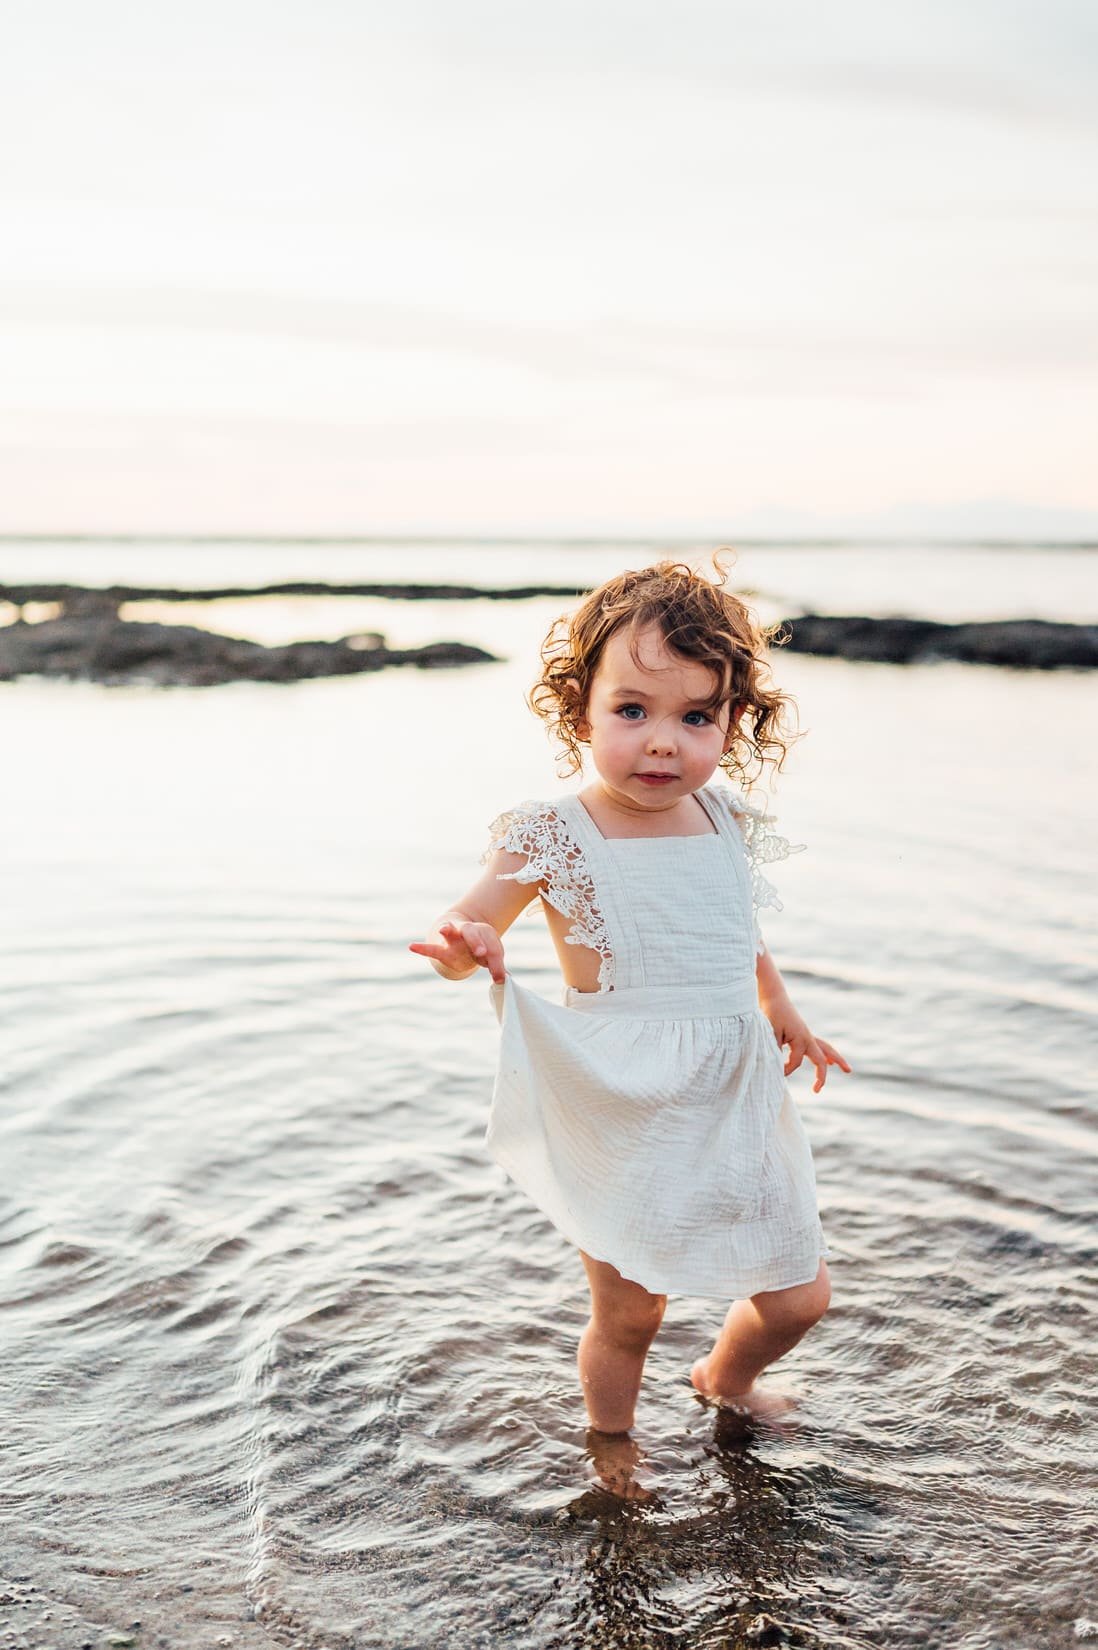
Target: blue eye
{"points": [[701, 713], [622, 709]]}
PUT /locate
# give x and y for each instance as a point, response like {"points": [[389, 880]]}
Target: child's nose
{"points": [[661, 739]]}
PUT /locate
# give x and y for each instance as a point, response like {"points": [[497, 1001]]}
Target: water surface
{"points": [[287, 1359]]}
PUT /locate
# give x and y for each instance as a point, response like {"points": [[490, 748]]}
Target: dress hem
{"points": [[747, 1284]]}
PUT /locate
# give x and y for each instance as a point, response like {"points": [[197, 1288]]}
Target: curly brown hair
{"points": [[700, 620]]}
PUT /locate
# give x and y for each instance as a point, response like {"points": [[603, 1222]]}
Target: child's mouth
{"points": [[656, 778]]}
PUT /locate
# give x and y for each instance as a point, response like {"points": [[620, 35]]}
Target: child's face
{"points": [[651, 739]]}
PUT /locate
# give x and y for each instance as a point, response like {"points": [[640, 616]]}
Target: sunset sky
{"points": [[604, 265]]}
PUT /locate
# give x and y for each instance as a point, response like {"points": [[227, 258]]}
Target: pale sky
{"points": [[349, 266]]}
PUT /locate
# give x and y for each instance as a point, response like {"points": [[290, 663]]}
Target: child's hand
{"points": [[790, 1028], [465, 946]]}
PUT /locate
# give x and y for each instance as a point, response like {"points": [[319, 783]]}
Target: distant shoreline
{"points": [[22, 594], [89, 641]]}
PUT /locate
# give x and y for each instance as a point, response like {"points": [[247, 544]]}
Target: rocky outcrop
{"points": [[91, 643], [116, 594], [1029, 644]]}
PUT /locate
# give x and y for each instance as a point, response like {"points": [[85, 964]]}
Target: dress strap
{"points": [[581, 826], [718, 812], [748, 823]]}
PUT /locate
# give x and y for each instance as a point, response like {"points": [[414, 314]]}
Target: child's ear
{"points": [[733, 720], [579, 721]]}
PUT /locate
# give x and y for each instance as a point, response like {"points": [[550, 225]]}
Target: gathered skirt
{"points": [[653, 1126]]}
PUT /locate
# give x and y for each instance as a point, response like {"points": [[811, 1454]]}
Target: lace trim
{"points": [[557, 859], [763, 846]]}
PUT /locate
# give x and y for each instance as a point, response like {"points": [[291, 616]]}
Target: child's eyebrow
{"points": [[639, 693]]}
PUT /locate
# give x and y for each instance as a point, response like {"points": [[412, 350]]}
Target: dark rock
{"points": [[89, 640], [98, 646], [91, 603], [1027, 644], [116, 594]]}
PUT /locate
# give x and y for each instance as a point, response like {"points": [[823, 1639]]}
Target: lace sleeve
{"points": [[555, 859], [762, 846]]}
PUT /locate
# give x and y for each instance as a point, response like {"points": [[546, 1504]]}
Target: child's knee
{"points": [[796, 1310], [818, 1298]]}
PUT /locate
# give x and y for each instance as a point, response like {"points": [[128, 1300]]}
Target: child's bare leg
{"points": [[613, 1347], [755, 1333]]}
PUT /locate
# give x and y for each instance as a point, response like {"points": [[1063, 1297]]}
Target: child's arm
{"points": [[774, 1000], [468, 936]]}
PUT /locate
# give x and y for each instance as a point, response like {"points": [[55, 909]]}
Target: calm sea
{"points": [[285, 1357]]}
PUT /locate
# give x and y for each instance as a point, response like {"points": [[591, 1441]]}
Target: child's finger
{"points": [[834, 1058], [454, 933], [819, 1060], [491, 958]]}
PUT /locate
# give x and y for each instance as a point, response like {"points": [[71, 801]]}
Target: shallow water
{"points": [[286, 1357]]}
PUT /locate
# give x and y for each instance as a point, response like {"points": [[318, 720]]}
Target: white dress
{"points": [[650, 1120]]}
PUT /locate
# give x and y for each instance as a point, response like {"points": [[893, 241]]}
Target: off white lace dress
{"points": [[650, 1120]]}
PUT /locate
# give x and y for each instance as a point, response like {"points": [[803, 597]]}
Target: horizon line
{"points": [[568, 540]]}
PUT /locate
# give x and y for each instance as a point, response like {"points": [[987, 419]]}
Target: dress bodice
{"points": [[677, 910]]}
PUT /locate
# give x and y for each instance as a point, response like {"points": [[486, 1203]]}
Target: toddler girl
{"points": [[646, 1114]]}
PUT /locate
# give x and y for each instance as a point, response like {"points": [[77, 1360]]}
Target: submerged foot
{"points": [[615, 1457], [764, 1404]]}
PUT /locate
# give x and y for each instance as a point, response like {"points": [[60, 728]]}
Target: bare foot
{"points": [[615, 1457], [765, 1405]]}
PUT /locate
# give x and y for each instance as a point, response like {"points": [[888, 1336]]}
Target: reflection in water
{"points": [[617, 1460], [748, 1566]]}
